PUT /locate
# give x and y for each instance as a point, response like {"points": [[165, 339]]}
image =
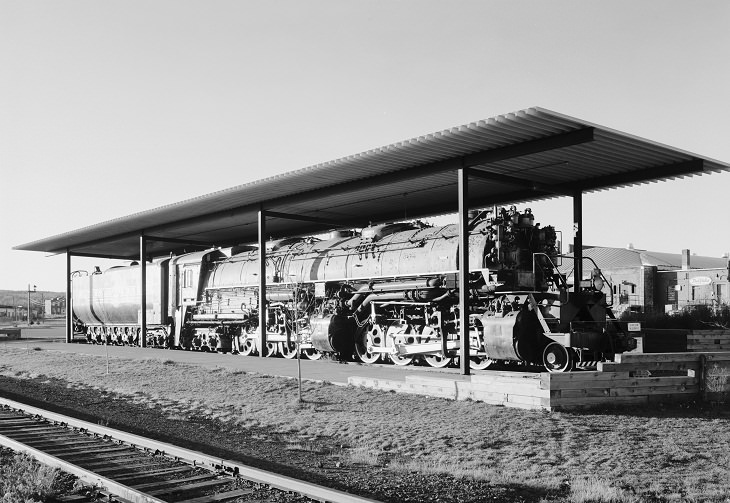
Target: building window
{"points": [[672, 294]]}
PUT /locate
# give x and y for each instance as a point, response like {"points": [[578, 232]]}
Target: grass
{"points": [[622, 455], [308, 446], [597, 490], [436, 467], [717, 379], [363, 455], [22, 479]]}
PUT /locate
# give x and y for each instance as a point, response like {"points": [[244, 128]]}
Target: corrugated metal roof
{"points": [[527, 155], [618, 258]]}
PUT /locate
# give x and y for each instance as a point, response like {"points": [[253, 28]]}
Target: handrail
{"points": [[565, 278], [555, 268]]}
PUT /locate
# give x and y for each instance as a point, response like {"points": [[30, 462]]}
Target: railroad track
{"points": [[129, 468]]}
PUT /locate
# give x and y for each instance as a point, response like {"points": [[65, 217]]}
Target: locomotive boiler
{"points": [[387, 293]]}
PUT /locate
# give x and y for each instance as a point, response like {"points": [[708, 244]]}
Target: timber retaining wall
{"points": [[634, 378], [708, 340]]}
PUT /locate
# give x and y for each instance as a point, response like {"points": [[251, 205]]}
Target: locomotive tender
{"points": [[387, 293]]}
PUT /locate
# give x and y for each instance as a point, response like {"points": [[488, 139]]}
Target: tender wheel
{"points": [[247, 346], [272, 349], [288, 350], [367, 338], [312, 353], [438, 361], [557, 358], [481, 363]]}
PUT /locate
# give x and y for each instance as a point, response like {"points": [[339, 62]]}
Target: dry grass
{"points": [[597, 490], [363, 455], [717, 380], [22, 479], [436, 467], [656, 454], [308, 446]]}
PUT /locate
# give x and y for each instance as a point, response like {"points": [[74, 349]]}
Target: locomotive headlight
{"points": [[597, 280], [598, 283]]}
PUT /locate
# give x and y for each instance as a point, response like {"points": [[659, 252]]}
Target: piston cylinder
{"points": [[333, 333], [515, 336]]}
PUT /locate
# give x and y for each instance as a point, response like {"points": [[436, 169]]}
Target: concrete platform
{"points": [[634, 378], [53, 339]]}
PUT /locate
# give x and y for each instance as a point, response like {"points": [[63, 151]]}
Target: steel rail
{"points": [[105, 484], [274, 480]]}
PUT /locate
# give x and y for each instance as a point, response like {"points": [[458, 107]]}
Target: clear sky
{"points": [[110, 108]]}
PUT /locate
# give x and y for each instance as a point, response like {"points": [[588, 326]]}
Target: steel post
{"points": [[262, 281], [463, 195], [143, 293], [577, 240], [69, 302]]}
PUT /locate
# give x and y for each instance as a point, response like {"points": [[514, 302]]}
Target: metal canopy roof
{"points": [[527, 155]]}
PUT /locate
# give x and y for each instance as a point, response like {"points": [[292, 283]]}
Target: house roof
{"points": [[527, 155], [616, 258]]}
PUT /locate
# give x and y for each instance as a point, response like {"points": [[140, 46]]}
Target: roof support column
{"points": [[577, 240], [69, 302], [143, 293], [463, 196], [262, 281]]}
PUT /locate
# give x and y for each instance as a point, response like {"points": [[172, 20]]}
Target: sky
{"points": [[115, 107]]}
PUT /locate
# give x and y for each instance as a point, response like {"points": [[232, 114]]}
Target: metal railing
{"points": [[563, 279]]}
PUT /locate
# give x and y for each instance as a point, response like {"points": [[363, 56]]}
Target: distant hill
{"points": [[20, 297]]}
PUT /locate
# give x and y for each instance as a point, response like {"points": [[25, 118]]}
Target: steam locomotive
{"points": [[386, 293]]}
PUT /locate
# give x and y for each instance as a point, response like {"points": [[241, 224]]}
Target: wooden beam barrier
{"points": [[509, 389], [632, 384], [708, 340]]}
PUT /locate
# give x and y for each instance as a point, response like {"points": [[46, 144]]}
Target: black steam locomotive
{"points": [[387, 293]]}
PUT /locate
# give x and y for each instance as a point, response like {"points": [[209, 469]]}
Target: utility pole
{"points": [[29, 302]]}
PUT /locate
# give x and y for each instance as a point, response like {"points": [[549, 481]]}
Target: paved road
{"points": [[53, 338]]}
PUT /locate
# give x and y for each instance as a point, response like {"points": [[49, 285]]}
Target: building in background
{"points": [[55, 307], [647, 281], [693, 286]]}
